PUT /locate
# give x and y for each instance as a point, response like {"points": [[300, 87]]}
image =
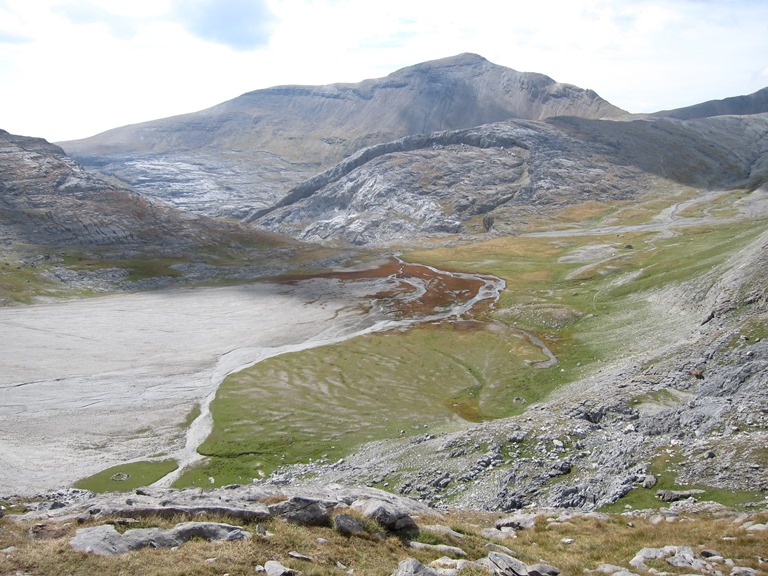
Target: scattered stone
{"points": [[567, 540], [9, 550]]}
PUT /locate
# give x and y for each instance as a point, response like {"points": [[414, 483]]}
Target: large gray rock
{"points": [[106, 541], [520, 521], [274, 568], [506, 565], [388, 515], [412, 567], [305, 511], [675, 495], [348, 525]]}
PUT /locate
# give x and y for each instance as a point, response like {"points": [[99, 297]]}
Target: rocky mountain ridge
{"points": [[246, 153], [446, 183], [755, 103]]}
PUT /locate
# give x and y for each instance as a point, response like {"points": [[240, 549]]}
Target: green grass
{"points": [[329, 400], [665, 467], [127, 477]]}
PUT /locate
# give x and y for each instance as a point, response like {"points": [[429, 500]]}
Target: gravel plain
{"points": [[93, 383]]}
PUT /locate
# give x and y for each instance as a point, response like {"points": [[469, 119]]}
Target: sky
{"points": [[73, 68]]}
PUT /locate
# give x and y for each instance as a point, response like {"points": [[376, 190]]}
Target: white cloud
{"points": [[71, 68]]}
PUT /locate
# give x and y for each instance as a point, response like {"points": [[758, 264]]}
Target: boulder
{"points": [[675, 495], [348, 525], [305, 511], [649, 481], [106, 541], [388, 515], [506, 565], [522, 521]]}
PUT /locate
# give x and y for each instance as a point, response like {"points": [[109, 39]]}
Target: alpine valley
{"points": [[458, 287]]}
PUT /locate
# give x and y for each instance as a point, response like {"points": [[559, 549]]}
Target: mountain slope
{"points": [[48, 199], [250, 150], [61, 227], [756, 103], [446, 182]]}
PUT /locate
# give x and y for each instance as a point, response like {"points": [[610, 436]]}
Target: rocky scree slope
{"points": [[247, 152], [448, 182]]}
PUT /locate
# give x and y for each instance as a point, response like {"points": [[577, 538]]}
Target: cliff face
{"points": [[48, 200]]}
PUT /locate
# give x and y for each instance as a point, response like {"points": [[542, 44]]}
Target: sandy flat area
{"points": [[93, 383]]}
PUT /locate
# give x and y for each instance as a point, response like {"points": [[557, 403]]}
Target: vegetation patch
{"points": [[665, 468], [127, 477], [320, 404]]}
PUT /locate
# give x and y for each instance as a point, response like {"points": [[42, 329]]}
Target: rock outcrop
{"points": [[499, 175], [105, 540]]}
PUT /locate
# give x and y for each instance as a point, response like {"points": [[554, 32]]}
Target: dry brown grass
{"points": [[613, 541]]}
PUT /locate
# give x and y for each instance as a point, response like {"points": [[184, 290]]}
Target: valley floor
{"points": [[91, 383]]}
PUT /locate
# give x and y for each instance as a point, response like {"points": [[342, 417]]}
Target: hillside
{"points": [[247, 152], [503, 174], [62, 228], [756, 103]]}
